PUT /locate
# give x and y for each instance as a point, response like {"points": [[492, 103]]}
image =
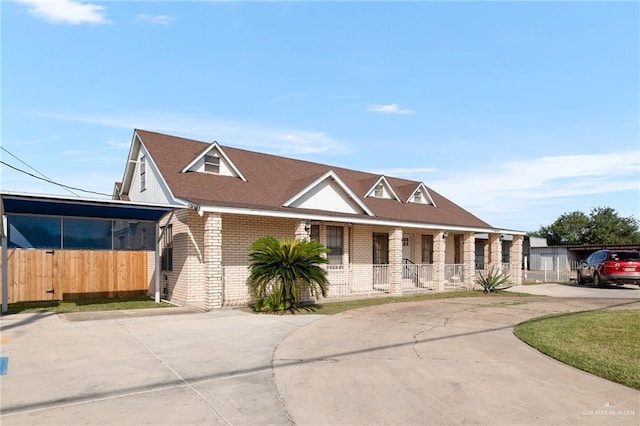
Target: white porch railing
{"points": [[352, 280], [454, 276]]}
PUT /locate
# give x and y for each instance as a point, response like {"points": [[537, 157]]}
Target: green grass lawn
{"points": [[84, 305], [604, 343]]}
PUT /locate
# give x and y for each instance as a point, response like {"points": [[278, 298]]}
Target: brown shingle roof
{"points": [[272, 180]]}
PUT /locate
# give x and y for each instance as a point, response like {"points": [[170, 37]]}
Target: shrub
{"points": [[494, 281]]}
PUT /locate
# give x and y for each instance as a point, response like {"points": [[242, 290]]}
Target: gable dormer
{"points": [[213, 160], [328, 193], [421, 196], [382, 189]]}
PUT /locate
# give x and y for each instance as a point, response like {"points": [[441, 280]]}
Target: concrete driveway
{"points": [[443, 362], [434, 362], [572, 289], [182, 369]]}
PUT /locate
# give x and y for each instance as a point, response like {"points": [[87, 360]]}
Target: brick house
{"points": [[386, 235]]}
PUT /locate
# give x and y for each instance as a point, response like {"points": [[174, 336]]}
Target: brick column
{"points": [[439, 250], [495, 252], [302, 230], [515, 259], [469, 258], [395, 261], [213, 261]]}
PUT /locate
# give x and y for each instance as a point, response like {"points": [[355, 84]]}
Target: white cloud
{"points": [[154, 19], [525, 190], [66, 11], [390, 109], [119, 145], [276, 140]]}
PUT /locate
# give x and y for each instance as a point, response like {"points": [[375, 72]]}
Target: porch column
{"points": [[439, 251], [395, 261], [469, 258], [213, 261], [515, 258], [302, 230], [495, 252]]}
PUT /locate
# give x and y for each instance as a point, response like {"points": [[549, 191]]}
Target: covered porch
{"points": [[367, 260]]}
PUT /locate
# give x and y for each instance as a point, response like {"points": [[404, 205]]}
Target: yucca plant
{"points": [[280, 270], [494, 280]]}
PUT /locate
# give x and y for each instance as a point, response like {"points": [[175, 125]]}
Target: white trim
{"points": [[329, 175], [361, 221], [389, 187], [425, 193], [215, 146], [137, 145]]}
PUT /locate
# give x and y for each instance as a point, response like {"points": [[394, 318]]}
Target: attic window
{"points": [[379, 191], [143, 174], [417, 197], [212, 163]]}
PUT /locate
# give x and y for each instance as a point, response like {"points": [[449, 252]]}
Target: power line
{"points": [[53, 182], [32, 168]]}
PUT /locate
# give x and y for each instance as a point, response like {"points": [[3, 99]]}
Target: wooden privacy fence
{"points": [[35, 275]]}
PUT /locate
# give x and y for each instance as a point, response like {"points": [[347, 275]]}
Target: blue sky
{"points": [[516, 111]]}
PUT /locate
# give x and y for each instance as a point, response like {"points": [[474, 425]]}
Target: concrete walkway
{"points": [[443, 362]]}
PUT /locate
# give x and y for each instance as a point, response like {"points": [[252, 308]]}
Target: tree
{"points": [[281, 269], [602, 226], [569, 228], [607, 227]]}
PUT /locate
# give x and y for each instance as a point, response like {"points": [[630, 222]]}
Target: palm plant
{"points": [[281, 269]]}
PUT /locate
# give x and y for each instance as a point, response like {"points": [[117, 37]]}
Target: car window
{"points": [[601, 257], [625, 255]]}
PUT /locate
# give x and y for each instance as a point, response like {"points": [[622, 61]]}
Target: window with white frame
{"points": [[378, 192], [417, 197], [212, 164], [143, 174]]}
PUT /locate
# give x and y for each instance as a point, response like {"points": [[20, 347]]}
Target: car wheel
{"points": [[597, 281], [579, 278]]}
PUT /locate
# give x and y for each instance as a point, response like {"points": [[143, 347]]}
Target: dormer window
{"points": [[417, 197], [379, 191], [212, 164]]}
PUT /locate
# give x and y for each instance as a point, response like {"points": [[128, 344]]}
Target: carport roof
{"points": [[51, 205]]}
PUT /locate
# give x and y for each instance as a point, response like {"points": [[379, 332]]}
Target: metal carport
{"points": [[59, 206]]}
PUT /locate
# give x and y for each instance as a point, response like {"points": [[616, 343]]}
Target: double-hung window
{"points": [[166, 257], [212, 164], [335, 243]]}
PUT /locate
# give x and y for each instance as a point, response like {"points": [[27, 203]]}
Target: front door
{"points": [[407, 248]]}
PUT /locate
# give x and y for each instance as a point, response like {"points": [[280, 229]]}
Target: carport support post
{"points": [[157, 262], [5, 267]]}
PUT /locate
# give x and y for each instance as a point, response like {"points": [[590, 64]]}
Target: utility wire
{"points": [[33, 168], [53, 182]]}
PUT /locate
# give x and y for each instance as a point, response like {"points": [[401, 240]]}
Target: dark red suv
{"points": [[610, 266]]}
